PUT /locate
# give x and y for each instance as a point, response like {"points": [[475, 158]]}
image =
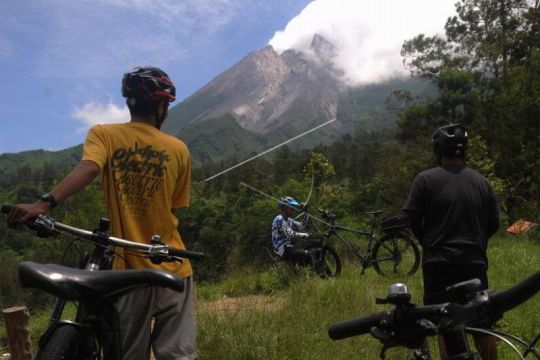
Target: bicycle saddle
{"points": [[77, 284]]}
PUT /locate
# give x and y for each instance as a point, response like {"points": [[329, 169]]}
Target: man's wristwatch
{"points": [[48, 198]]}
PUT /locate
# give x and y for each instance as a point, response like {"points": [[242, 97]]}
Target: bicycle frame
{"points": [[97, 318], [100, 255], [457, 342], [366, 259], [530, 348]]}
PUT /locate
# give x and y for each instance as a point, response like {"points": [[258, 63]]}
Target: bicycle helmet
{"points": [[149, 84], [450, 140], [288, 201]]}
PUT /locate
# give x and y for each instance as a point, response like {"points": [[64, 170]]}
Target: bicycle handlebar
{"points": [[360, 326], [510, 298], [45, 223], [188, 254], [475, 310]]}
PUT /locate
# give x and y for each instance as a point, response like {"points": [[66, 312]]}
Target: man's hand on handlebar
{"points": [[46, 227], [21, 213]]}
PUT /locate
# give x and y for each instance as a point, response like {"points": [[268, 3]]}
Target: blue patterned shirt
{"points": [[284, 230]]}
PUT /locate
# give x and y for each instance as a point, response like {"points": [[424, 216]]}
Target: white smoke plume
{"points": [[367, 34]]}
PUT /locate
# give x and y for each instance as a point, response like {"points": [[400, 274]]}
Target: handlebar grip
{"points": [[510, 298], [354, 327], [186, 254], [6, 209]]}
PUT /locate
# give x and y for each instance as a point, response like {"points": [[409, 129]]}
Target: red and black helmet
{"points": [[149, 84]]}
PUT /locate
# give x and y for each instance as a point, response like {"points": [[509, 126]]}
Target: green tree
{"points": [[486, 69]]}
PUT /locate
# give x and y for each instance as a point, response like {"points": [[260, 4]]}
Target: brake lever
{"points": [[382, 335], [43, 226], [412, 339], [160, 253], [175, 258], [385, 338], [157, 253]]}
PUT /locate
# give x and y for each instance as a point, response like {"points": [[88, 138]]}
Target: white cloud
{"points": [[93, 113], [367, 34]]}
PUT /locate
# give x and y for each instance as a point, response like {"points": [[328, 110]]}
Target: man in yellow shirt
{"points": [[145, 174]]}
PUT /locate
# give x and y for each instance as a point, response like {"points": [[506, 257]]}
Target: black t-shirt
{"points": [[459, 212]]}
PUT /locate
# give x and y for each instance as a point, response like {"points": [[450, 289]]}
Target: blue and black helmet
{"points": [[288, 201]]}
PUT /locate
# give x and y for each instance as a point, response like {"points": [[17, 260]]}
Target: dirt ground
{"points": [[238, 304], [226, 304]]}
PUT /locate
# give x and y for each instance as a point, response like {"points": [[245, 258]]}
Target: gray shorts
{"points": [[173, 334]]}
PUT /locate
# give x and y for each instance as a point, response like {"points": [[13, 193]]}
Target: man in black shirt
{"points": [[453, 212]]}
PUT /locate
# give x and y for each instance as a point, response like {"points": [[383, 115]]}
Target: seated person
{"points": [[285, 230]]}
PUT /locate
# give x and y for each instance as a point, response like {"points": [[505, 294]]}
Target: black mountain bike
{"points": [[94, 333], [393, 253], [407, 325]]}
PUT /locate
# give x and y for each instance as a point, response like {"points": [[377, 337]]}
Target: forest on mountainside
{"points": [[487, 72]]}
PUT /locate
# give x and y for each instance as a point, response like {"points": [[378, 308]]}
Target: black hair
{"points": [[138, 107]]}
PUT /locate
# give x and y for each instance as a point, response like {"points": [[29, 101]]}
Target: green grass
{"points": [[296, 329], [300, 308], [38, 323]]}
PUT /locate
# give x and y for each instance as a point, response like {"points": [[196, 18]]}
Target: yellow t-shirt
{"points": [[145, 173]]}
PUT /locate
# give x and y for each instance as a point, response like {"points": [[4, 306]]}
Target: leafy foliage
{"points": [[487, 71]]}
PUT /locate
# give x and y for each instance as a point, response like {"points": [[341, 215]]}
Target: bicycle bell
{"points": [[156, 240], [397, 294]]}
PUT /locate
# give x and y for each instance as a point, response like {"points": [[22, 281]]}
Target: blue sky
{"points": [[62, 61]]}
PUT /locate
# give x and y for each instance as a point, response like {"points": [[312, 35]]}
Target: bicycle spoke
{"points": [[381, 259]]}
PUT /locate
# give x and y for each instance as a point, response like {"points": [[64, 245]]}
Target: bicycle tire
{"points": [[330, 262], [63, 344], [395, 249]]}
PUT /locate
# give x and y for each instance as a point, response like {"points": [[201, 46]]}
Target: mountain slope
{"points": [[272, 97], [37, 159], [260, 101], [261, 91]]}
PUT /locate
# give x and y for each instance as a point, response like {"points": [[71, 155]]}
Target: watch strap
{"points": [[49, 198]]}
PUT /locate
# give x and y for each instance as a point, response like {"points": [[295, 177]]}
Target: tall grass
{"points": [[296, 328]]}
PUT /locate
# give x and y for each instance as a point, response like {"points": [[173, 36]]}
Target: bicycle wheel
{"points": [[64, 343], [395, 254], [329, 262]]}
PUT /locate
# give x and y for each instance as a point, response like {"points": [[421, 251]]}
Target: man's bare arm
{"points": [[76, 180]]}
